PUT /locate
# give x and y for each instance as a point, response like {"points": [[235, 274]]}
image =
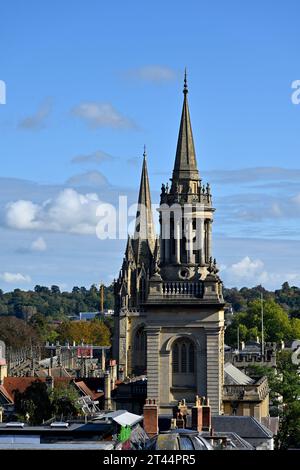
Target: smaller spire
{"points": [[185, 87]]}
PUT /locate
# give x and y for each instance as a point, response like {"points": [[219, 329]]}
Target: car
{"points": [[178, 439]]}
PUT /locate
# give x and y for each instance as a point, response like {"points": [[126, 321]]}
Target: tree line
{"points": [[281, 311], [52, 302], [44, 314]]}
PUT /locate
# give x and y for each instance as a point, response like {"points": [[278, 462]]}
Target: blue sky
{"points": [[89, 83]]}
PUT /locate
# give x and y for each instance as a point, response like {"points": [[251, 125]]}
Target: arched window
{"points": [[139, 357], [183, 356], [140, 340]]}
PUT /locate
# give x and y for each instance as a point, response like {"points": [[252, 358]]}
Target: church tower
{"points": [[132, 285], [175, 317]]}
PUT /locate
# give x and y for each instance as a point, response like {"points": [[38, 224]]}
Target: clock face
{"points": [[184, 273]]}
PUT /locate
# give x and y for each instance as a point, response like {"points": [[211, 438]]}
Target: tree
{"points": [[277, 325], [17, 333], [55, 290], [88, 332], [39, 404], [64, 401], [288, 386], [284, 386], [34, 402]]}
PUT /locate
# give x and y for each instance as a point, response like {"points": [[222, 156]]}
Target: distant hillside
{"points": [[52, 302], [287, 297]]}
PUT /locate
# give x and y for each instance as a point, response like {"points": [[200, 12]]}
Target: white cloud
{"points": [[69, 211], [102, 115], [251, 272], [38, 245], [246, 268], [37, 120], [96, 157], [14, 277], [153, 73], [22, 214]]}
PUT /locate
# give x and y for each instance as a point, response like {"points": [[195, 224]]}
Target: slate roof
{"points": [[55, 372], [234, 376], [246, 427]]}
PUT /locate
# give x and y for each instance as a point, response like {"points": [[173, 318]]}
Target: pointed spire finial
{"points": [[185, 87], [145, 153]]}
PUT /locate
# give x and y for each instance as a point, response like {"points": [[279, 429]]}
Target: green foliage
{"points": [[287, 297], [52, 302], [288, 386], [37, 403], [89, 332], [34, 405], [31, 317], [64, 401], [284, 386], [277, 324], [17, 333]]}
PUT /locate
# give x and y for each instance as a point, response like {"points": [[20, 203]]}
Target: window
{"points": [[140, 341], [139, 352], [176, 359], [183, 356], [191, 358]]}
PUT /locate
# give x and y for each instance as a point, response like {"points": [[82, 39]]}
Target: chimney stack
{"points": [[197, 415], [180, 413], [151, 417], [206, 416]]}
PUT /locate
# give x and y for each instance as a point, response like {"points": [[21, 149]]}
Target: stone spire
{"points": [[144, 226], [185, 167]]}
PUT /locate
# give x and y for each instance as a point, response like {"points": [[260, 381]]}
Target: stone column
{"points": [[177, 241], [214, 360], [201, 244], [165, 234], [153, 362], [189, 238]]}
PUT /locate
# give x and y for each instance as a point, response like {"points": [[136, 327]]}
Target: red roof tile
{"points": [[11, 384], [6, 394]]}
